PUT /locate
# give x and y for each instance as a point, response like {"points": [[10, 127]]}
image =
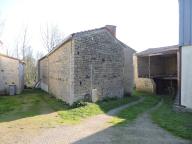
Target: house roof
{"points": [[79, 34], [3, 55], [159, 51]]}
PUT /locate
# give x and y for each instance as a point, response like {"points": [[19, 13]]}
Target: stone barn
{"points": [[88, 65], [157, 70], [11, 73]]}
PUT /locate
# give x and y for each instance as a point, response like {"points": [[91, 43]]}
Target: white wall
{"points": [[186, 76], [21, 77]]}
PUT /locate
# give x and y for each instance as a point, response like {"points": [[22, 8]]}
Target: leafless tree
{"points": [[22, 44], [24, 51], [2, 23], [51, 36], [30, 68]]}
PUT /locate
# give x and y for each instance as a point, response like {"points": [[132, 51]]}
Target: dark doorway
{"points": [[166, 86]]}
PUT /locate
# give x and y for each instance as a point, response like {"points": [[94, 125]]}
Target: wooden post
{"points": [[149, 68]]}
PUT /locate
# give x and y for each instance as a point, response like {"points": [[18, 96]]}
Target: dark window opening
{"points": [[103, 60], [78, 53], [80, 83]]}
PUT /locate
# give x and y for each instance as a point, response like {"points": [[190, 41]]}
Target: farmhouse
{"points": [[89, 65], [11, 73], [157, 70]]}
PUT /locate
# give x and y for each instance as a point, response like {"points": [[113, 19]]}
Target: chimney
{"points": [[111, 29]]}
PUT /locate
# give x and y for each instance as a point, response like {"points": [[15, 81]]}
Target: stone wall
{"points": [[11, 72], [89, 65], [43, 73], [128, 71], [99, 63], [59, 72]]}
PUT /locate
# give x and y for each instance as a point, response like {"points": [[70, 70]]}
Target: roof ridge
{"points": [[90, 30], [11, 57], [170, 46]]}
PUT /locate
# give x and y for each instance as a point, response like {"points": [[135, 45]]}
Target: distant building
{"points": [[157, 70], [185, 43], [11, 73], [92, 65]]}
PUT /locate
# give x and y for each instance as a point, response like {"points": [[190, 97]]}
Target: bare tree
{"points": [[30, 68], [22, 44], [51, 36], [2, 23], [24, 51]]}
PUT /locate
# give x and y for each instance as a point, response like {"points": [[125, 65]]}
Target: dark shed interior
{"points": [[161, 65]]}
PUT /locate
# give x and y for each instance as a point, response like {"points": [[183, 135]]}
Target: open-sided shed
{"points": [[161, 66]]}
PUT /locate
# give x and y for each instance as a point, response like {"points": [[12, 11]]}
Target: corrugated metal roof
{"points": [[159, 51], [185, 22]]}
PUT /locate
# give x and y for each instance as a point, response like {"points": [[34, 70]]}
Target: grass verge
{"points": [[75, 115], [178, 123], [129, 114], [36, 102]]}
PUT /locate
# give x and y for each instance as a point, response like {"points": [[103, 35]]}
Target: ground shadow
{"points": [[131, 134], [33, 102]]}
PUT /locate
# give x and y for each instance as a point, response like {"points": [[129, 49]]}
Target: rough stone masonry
{"points": [[88, 65]]}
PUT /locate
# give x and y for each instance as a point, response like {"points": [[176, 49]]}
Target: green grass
{"points": [[129, 114], [29, 103], [36, 102], [178, 123], [75, 115]]}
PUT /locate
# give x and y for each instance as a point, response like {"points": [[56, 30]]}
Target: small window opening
{"points": [[78, 53], [80, 83], [103, 60]]}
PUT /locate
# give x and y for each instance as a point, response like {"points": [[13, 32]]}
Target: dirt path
{"points": [[97, 130]]}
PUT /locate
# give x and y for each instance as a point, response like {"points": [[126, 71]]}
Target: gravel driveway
{"points": [[97, 130]]}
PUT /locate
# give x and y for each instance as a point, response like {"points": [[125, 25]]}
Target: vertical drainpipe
{"points": [[149, 61], [48, 72], [179, 73], [91, 78]]}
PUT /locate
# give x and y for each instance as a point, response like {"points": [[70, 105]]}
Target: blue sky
{"points": [[141, 24]]}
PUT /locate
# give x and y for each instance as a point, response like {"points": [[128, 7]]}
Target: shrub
{"points": [[78, 104]]}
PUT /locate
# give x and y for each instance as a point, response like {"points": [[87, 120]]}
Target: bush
{"points": [[106, 99], [78, 104]]}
